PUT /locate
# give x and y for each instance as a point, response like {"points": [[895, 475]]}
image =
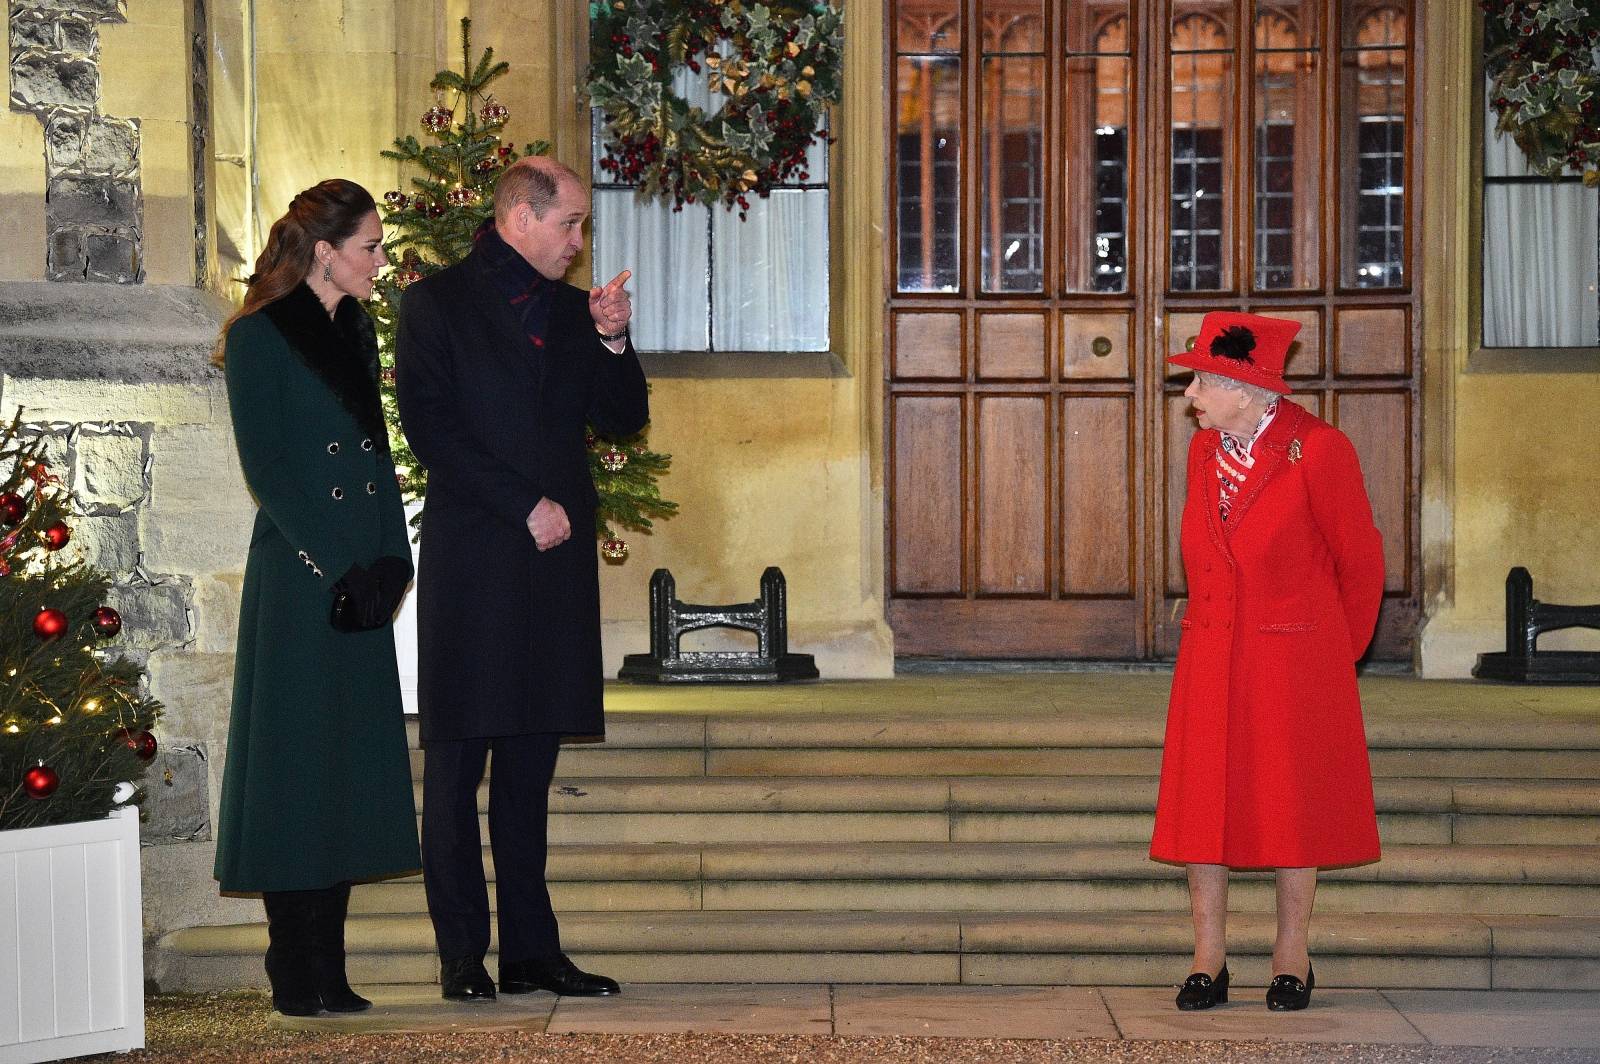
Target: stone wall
{"points": [[93, 206], [136, 424]]}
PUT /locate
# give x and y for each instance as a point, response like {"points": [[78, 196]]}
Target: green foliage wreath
{"points": [[1543, 62], [777, 65]]}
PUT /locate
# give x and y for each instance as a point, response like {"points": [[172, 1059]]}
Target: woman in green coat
{"points": [[317, 788]]}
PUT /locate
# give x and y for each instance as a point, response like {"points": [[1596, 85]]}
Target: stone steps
{"points": [[996, 832], [1375, 950], [588, 761], [984, 877], [1021, 809]]}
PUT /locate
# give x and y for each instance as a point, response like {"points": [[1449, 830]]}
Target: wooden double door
{"points": [[1073, 184]]}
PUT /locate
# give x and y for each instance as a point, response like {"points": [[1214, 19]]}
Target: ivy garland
{"points": [[1543, 62], [777, 66]]}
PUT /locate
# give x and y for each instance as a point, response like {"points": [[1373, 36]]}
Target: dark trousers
{"points": [[452, 851]]}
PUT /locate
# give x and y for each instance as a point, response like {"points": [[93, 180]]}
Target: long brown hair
{"points": [[331, 210]]}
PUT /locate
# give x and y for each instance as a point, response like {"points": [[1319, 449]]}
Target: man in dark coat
{"points": [[500, 367]]}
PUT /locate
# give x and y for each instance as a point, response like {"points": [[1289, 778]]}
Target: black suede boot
{"points": [[290, 969], [333, 987]]}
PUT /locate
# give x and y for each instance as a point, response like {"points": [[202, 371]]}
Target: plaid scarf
{"points": [[528, 291], [1234, 461]]}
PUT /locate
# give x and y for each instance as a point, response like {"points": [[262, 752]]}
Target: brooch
{"points": [[1294, 450]]}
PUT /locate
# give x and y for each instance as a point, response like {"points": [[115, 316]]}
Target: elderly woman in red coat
{"points": [[1265, 763]]}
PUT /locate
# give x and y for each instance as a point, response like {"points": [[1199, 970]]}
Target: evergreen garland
{"points": [[777, 65], [1543, 63]]}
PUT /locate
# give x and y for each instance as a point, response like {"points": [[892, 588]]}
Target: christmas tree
{"points": [[431, 227], [74, 727]]}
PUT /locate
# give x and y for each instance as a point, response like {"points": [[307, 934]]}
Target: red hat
{"points": [[1246, 347]]}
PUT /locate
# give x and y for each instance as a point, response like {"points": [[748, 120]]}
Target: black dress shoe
{"points": [[556, 974], [1200, 991], [466, 980], [1288, 994]]}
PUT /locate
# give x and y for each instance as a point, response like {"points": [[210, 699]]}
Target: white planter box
{"points": [[71, 963]]}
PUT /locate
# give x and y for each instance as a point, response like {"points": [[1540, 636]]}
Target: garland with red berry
{"points": [[1543, 63], [777, 66]]}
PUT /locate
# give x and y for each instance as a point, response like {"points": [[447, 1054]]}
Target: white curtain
{"points": [[769, 274], [704, 280], [1541, 254], [667, 253]]}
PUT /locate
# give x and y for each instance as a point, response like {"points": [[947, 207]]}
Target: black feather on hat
{"points": [[1235, 342]]}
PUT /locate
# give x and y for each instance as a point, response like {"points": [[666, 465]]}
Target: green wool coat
{"points": [[317, 785]]}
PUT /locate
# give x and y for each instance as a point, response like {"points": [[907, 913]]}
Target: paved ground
{"points": [[812, 1024], [1377, 1017]]}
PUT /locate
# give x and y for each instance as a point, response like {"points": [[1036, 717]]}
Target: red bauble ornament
{"points": [[49, 623], [57, 535], [461, 196], [107, 622], [437, 118], [13, 508], [613, 460], [407, 277], [493, 113], [40, 781], [142, 743], [614, 548]]}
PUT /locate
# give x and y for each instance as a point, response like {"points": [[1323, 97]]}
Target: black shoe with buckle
{"points": [[556, 974], [1201, 991], [466, 979], [1288, 994]]}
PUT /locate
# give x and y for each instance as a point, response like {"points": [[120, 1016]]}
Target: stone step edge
{"points": [[1497, 865], [732, 931], [743, 730], [1014, 794]]}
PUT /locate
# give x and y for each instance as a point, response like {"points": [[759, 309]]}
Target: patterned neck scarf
{"points": [[1234, 461], [527, 290]]}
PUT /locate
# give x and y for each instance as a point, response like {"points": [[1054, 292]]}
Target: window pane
{"points": [[1287, 161], [1540, 290], [767, 294], [1013, 25], [927, 173], [1013, 178], [1202, 77], [935, 26], [667, 252], [1096, 153], [1541, 251], [1373, 146]]}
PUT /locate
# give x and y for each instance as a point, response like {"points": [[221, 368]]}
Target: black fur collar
{"points": [[342, 351]]}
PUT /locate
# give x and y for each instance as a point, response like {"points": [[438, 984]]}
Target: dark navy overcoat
{"points": [[508, 635]]}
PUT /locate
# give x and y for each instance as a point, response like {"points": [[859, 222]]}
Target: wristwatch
{"points": [[614, 337]]}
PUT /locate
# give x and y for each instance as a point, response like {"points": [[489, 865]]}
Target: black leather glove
{"points": [[394, 576], [358, 601]]}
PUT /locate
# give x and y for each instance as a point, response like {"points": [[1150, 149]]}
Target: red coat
{"points": [[1265, 764]]}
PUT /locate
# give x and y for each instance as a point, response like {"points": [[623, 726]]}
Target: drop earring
{"points": [[327, 272]]}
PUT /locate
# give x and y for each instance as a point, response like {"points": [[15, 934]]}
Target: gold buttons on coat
{"points": [[366, 445], [333, 448], [338, 493]]}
